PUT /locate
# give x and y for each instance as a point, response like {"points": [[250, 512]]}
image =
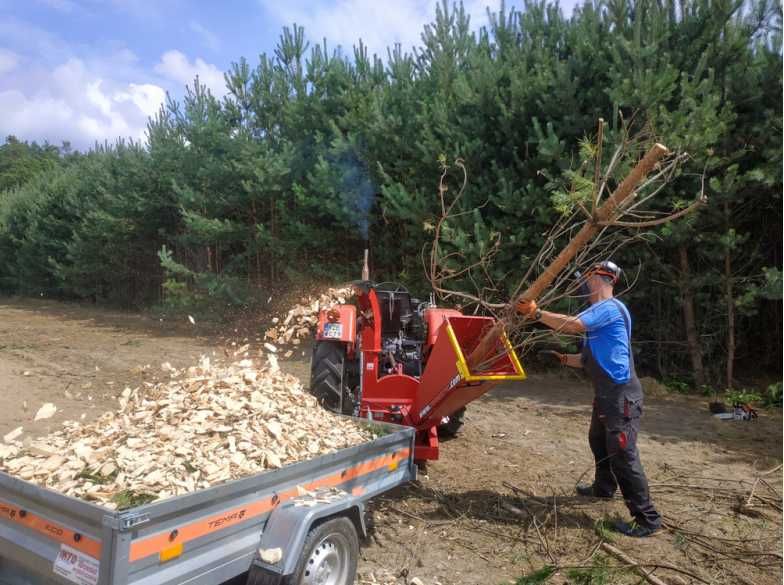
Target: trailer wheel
{"points": [[452, 426], [329, 555], [330, 378]]}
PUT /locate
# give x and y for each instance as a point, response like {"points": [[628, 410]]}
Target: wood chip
{"points": [[302, 318], [200, 426], [13, 435], [46, 411]]}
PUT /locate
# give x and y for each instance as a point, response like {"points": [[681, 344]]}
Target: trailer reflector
{"points": [[170, 553]]}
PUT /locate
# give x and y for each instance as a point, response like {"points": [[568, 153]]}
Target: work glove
{"points": [[550, 356], [526, 308]]}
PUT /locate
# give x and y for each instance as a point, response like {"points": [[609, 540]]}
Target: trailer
{"points": [[296, 525]]}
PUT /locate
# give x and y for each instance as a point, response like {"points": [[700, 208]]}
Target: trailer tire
{"points": [[331, 547], [450, 428], [330, 377]]}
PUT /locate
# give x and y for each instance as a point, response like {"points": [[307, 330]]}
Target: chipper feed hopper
{"points": [[393, 358]]}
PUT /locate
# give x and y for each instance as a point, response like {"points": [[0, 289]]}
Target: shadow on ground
{"points": [[666, 419]]}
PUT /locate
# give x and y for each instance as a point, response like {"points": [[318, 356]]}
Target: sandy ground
{"points": [[499, 503]]}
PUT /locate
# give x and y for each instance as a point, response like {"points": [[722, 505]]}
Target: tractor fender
{"points": [[346, 319], [288, 525]]}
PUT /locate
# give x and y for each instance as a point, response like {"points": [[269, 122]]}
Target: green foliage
{"points": [[315, 154], [600, 573], [677, 385], [604, 530], [773, 395], [742, 396], [20, 161], [537, 577], [128, 499]]}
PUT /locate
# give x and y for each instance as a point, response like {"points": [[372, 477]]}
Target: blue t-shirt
{"points": [[608, 338]]}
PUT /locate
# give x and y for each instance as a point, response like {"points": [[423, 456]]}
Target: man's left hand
{"points": [[526, 308]]}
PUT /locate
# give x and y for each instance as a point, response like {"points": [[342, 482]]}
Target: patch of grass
{"points": [[96, 477], [679, 541], [604, 530], [375, 428], [742, 396], [601, 573], [130, 499], [773, 395], [678, 386], [537, 577]]}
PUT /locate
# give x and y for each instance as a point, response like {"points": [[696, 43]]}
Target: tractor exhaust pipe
{"points": [[365, 268]]}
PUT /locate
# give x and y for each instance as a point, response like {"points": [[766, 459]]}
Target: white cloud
{"points": [[380, 25], [147, 97], [72, 102], [209, 38], [175, 66], [8, 61]]}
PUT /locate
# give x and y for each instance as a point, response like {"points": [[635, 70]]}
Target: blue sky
{"points": [[87, 70]]}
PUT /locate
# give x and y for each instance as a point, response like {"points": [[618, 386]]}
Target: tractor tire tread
{"points": [[326, 371]]}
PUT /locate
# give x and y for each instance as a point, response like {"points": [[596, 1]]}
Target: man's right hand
{"points": [[526, 308]]}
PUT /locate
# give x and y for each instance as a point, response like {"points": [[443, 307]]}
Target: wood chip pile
{"points": [[302, 318], [203, 426]]}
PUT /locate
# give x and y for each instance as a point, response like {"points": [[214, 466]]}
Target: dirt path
{"points": [[460, 524], [80, 358]]}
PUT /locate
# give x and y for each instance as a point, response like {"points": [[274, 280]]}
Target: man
{"points": [[617, 407]]}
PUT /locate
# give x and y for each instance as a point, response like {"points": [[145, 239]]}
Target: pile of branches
{"points": [[607, 203]]}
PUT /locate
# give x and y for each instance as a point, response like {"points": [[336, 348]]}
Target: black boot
{"points": [[588, 491], [634, 530]]}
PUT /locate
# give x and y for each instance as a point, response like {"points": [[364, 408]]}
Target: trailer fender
{"points": [[288, 525]]}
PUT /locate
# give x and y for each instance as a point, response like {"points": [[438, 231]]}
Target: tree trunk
{"points": [[271, 256], [687, 298], [730, 301], [254, 220]]}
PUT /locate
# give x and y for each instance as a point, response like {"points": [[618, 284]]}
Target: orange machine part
{"points": [[434, 318], [443, 389], [346, 315]]}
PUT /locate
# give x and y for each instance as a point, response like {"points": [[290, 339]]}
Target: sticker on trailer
{"points": [[76, 566]]}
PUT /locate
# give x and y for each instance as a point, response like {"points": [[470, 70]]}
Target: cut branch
{"points": [[604, 214], [699, 202]]}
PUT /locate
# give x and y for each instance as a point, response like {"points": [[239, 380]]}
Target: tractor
{"points": [[391, 357]]}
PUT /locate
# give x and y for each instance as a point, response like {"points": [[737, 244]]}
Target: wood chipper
{"points": [[393, 358]]}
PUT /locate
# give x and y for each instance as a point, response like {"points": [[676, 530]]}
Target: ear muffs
{"points": [[601, 272]]}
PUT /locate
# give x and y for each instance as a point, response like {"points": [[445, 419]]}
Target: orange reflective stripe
{"points": [[51, 530], [154, 544]]}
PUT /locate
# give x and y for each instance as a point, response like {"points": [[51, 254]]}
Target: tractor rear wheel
{"points": [[450, 428], [331, 377]]}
